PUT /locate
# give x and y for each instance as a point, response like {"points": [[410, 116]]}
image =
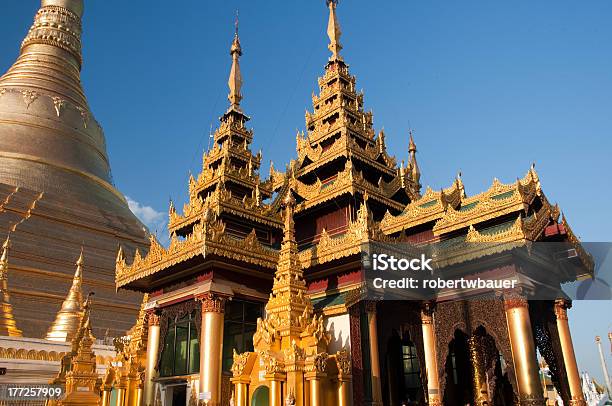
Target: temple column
{"points": [[241, 393], [106, 395], [121, 392], [479, 380], [313, 378], [151, 363], [567, 349], [431, 361], [211, 346], [345, 392], [276, 392], [374, 355], [132, 392], [523, 351]]}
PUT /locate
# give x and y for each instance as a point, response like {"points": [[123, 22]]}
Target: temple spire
{"points": [[414, 167], [235, 78], [333, 31], [8, 325], [68, 319]]}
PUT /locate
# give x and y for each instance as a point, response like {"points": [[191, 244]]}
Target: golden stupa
{"points": [[8, 326], [56, 189], [67, 321]]}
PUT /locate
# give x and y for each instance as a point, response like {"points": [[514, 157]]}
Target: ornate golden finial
{"points": [[82, 378], [412, 149], [171, 208], [460, 185], [235, 78], [68, 319], [289, 205], [334, 32], [271, 169], [8, 325]]}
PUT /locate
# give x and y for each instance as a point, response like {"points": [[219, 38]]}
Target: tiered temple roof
{"points": [[341, 154], [339, 157], [226, 216]]}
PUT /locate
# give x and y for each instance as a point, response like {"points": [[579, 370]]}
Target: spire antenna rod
{"points": [[237, 21]]}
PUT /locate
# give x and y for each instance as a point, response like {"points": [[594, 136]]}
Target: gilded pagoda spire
{"points": [[289, 289], [414, 166], [235, 78], [82, 378], [68, 319], [8, 325], [333, 31]]}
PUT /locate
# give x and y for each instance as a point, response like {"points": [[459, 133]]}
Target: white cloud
{"points": [[154, 220]]}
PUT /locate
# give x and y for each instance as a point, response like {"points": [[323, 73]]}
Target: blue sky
{"points": [[489, 88]]}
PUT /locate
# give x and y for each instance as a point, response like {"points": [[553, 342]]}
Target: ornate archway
{"points": [[261, 396]]}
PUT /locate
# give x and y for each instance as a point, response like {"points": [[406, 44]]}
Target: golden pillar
{"points": [[479, 379], [276, 393], [241, 392], [139, 392], [567, 349], [345, 397], [211, 346], [121, 394], [374, 355], [313, 378], [152, 353], [345, 392], [106, 396], [431, 361], [523, 350], [132, 392]]}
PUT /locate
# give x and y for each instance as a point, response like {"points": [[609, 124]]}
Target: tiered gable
{"points": [[226, 216], [229, 183], [341, 159], [502, 217]]}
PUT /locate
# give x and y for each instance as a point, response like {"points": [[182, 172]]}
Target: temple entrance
{"points": [[403, 383], [458, 386], [261, 397], [476, 373], [175, 394]]}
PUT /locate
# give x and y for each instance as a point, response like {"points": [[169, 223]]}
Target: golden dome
{"points": [[49, 139]]}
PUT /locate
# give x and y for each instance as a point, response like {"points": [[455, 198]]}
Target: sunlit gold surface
{"points": [[431, 363], [479, 380], [55, 181], [291, 341], [82, 377], [68, 318], [523, 350], [211, 347], [152, 352], [567, 349], [8, 325], [374, 356], [44, 114]]}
